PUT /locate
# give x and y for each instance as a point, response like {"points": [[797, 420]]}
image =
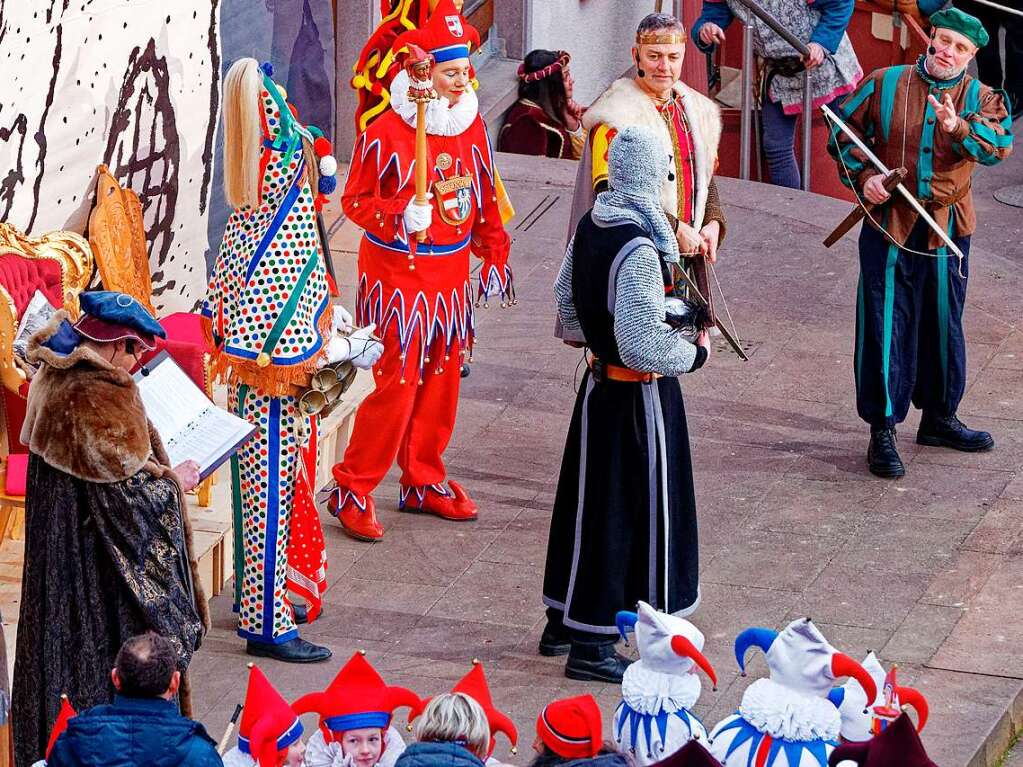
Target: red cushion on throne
{"points": [[22, 277], [185, 343]]}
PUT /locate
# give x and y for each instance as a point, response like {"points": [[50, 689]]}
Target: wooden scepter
{"points": [[421, 93]]}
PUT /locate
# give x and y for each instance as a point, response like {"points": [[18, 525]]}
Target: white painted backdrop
{"points": [[133, 84]]}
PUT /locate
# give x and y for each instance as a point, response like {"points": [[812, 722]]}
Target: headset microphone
{"points": [[639, 69], [931, 51]]}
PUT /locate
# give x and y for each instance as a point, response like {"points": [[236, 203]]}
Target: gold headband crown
{"points": [[660, 38]]}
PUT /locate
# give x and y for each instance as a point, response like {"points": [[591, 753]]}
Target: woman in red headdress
{"points": [[419, 293], [545, 121]]}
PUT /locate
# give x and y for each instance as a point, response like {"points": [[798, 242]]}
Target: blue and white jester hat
{"points": [[654, 718], [786, 720], [801, 659], [667, 644]]}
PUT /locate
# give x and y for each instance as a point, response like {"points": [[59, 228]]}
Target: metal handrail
{"points": [[746, 106], [1000, 7]]}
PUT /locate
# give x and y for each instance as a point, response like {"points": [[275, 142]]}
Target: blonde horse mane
{"points": [[243, 134]]}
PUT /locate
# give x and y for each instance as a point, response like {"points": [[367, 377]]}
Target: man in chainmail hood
{"points": [[624, 524]]}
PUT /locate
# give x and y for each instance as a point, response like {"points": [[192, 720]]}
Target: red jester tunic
{"points": [[423, 314]]}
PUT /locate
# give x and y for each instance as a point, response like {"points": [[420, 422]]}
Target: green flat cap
{"points": [[963, 23]]}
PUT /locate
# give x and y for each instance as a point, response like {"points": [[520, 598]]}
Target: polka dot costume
{"points": [[269, 292], [267, 304], [264, 474]]}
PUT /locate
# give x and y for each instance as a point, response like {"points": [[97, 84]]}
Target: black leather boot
{"points": [[555, 640], [949, 431], [882, 456], [295, 650], [596, 663], [300, 613]]}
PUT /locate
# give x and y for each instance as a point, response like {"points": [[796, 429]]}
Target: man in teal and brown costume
{"points": [[939, 123]]}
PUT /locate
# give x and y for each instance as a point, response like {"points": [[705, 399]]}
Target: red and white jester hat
{"points": [[269, 725], [860, 720], [474, 684], [571, 727], [357, 698], [447, 36]]}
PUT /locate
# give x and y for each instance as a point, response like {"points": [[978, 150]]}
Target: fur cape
{"points": [[625, 103], [85, 417]]}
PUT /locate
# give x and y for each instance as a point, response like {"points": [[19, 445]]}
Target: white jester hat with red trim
{"points": [[654, 718]]}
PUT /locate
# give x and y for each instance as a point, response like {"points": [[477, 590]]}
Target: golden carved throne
{"points": [[118, 238], [59, 265]]}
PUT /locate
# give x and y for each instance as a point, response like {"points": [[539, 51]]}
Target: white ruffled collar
{"points": [[784, 713], [442, 119], [649, 692]]}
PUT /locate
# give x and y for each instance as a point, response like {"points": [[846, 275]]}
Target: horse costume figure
{"points": [[786, 720], [654, 719], [862, 719]]}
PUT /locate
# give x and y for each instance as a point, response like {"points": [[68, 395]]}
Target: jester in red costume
{"points": [[419, 294]]}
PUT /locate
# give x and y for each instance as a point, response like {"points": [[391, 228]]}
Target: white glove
{"points": [[365, 349], [418, 217], [342, 320], [360, 348]]}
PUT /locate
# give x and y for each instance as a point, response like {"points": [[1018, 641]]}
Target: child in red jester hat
{"points": [[270, 734], [355, 718]]}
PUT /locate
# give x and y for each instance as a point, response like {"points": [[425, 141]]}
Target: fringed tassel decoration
{"points": [[497, 281]]}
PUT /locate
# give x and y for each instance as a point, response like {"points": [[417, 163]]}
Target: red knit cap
{"points": [[571, 727]]}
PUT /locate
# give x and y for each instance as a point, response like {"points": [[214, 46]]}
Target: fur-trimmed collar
{"points": [[84, 416], [651, 692], [625, 103], [785, 713]]}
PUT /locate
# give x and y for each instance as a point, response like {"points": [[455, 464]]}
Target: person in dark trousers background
{"points": [[939, 123], [993, 71]]}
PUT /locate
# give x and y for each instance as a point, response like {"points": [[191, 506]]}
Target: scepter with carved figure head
{"points": [[419, 66]]}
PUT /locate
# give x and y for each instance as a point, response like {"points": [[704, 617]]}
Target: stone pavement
{"points": [[926, 570]]}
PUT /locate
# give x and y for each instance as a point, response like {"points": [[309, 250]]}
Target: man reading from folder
{"points": [[106, 535]]}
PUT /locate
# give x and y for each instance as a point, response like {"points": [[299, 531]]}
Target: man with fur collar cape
{"points": [[688, 124], [107, 539]]}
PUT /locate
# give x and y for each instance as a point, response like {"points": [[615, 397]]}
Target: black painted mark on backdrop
{"points": [[212, 36], [14, 176], [40, 134], [143, 149]]}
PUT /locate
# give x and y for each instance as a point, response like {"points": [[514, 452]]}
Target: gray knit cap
{"points": [[638, 164]]}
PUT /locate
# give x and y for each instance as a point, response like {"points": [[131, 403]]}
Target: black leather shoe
{"points": [[554, 641], [596, 663], [295, 650], [300, 613], [882, 456], [949, 431]]}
